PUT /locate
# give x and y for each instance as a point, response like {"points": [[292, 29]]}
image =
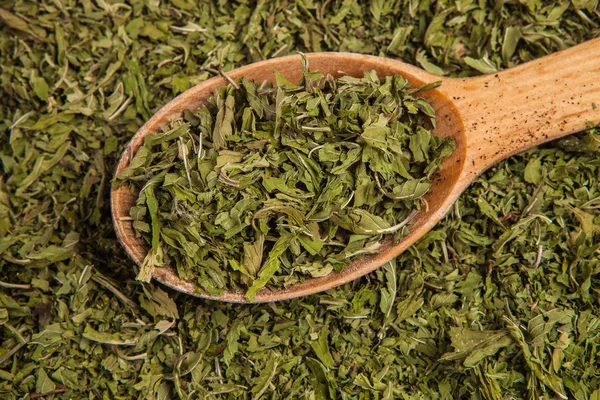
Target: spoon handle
{"points": [[522, 107]]}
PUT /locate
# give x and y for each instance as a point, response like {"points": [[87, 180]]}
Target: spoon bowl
{"points": [[490, 117]]}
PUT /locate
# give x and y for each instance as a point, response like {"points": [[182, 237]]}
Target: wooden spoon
{"points": [[490, 117]]}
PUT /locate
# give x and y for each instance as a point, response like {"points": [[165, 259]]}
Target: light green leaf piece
{"points": [[270, 266], [487, 209], [376, 134], [152, 260], [114, 339], [322, 386], [43, 383], [427, 64], [407, 308], [51, 254], [483, 65], [15, 22], [410, 189], [512, 35], [40, 88], [152, 204], [533, 171], [42, 166], [231, 343], [419, 144], [360, 221], [550, 380], [586, 220], [158, 303], [388, 294], [281, 81], [52, 334], [321, 349], [266, 376], [224, 120], [473, 346]]}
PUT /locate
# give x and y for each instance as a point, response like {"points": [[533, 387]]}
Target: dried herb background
{"points": [[500, 300]]}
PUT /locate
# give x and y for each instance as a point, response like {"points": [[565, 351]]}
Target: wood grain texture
{"points": [[490, 117]]}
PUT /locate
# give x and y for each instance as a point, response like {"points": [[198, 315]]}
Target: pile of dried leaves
{"points": [[269, 185], [500, 300]]}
